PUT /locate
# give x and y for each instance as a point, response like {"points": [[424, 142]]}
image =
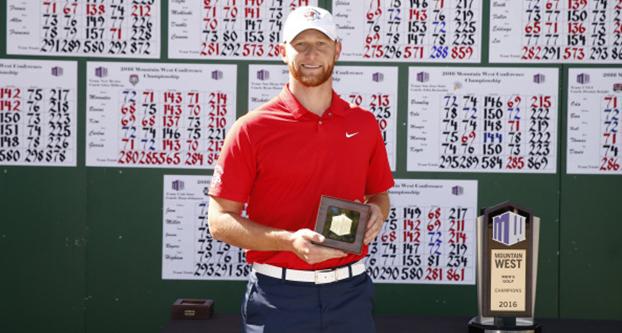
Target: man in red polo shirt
{"points": [[280, 159]]}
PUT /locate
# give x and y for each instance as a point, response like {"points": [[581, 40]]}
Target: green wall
{"points": [[80, 248]]}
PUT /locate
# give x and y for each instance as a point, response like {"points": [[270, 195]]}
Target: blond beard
{"points": [[311, 80]]}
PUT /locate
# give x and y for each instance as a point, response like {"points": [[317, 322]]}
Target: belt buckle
{"points": [[325, 276]]}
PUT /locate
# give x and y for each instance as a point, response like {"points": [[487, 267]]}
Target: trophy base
{"points": [[476, 327]]}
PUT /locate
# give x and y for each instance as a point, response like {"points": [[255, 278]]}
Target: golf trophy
{"points": [[507, 267]]}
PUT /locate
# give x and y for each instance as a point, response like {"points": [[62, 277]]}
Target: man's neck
{"points": [[315, 99]]}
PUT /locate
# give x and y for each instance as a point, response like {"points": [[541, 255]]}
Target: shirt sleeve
{"points": [[379, 178], [235, 170]]}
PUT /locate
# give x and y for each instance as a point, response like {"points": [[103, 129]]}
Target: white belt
{"points": [[317, 277]]}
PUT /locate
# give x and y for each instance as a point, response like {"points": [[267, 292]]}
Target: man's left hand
{"points": [[374, 225]]}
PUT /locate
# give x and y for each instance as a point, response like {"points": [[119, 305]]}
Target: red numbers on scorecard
{"points": [[571, 31], [172, 127], [106, 28], [510, 133], [36, 125], [423, 244], [419, 30], [250, 29], [610, 127]]}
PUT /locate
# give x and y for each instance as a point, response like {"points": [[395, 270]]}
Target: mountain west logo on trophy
{"points": [[508, 228]]}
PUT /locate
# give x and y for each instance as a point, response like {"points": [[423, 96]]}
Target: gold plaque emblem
{"points": [[341, 225]]}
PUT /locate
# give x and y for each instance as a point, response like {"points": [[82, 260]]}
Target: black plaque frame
{"points": [[364, 213]]}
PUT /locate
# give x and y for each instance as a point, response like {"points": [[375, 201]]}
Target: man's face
{"points": [[311, 57]]}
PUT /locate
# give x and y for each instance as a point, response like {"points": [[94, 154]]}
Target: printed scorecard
{"points": [[429, 237], [102, 28], [188, 250], [556, 31], [446, 31], [593, 126], [38, 112], [158, 115], [482, 120], [228, 29]]}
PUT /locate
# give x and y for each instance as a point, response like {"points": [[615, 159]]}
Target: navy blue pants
{"points": [[274, 305]]}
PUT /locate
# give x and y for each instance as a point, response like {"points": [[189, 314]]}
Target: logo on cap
{"points": [[311, 15]]}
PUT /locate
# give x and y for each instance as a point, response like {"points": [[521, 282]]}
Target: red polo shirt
{"points": [[280, 158]]}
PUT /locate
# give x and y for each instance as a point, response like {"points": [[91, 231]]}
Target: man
{"points": [[280, 159]]}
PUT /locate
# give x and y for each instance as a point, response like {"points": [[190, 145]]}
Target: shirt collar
{"points": [[337, 106]]}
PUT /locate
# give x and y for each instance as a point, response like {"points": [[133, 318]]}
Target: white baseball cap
{"points": [[309, 17]]}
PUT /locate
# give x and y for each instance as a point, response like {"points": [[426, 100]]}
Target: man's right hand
{"points": [[309, 252]]}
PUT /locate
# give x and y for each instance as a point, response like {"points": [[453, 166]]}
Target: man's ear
{"points": [[282, 52], [337, 50]]}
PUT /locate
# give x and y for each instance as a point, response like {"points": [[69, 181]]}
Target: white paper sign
{"points": [[102, 28], [373, 88], [594, 142], [158, 115], [228, 29], [429, 237], [38, 112], [188, 250], [410, 30], [556, 31], [483, 119]]}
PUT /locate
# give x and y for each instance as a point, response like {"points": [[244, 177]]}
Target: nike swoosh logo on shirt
{"points": [[349, 135]]}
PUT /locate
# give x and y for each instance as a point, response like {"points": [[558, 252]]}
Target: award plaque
{"points": [[343, 223], [507, 260]]}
